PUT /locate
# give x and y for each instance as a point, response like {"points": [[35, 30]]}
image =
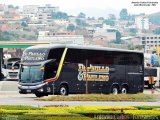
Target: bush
{"points": [[146, 107]]}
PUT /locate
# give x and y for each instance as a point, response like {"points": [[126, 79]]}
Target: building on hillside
{"points": [[40, 14], [48, 9], [72, 20], [150, 41], [91, 31], [95, 23], [154, 27], [30, 9], [100, 40], [2, 9], [44, 17], [10, 27], [60, 37], [142, 22], [131, 40], [10, 17], [30, 12], [109, 33], [61, 22]]}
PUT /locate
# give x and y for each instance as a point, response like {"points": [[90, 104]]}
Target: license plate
{"points": [[28, 91]]}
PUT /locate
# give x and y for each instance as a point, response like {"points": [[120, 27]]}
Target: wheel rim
{"points": [[124, 90], [115, 91], [63, 91]]}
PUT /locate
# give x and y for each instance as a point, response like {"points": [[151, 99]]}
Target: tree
{"points": [[133, 31], [90, 18], [123, 14], [80, 22], [81, 15], [131, 17], [157, 31], [10, 6], [100, 18], [109, 22], [6, 35], [112, 16], [118, 37], [59, 15], [17, 7], [155, 18], [24, 24], [71, 27]]}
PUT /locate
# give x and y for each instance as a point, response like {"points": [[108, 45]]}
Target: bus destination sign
{"points": [[33, 56]]}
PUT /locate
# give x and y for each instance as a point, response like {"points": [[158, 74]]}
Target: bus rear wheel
{"points": [[63, 90], [124, 90], [114, 90]]}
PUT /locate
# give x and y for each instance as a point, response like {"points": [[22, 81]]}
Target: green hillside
{"points": [[155, 18]]}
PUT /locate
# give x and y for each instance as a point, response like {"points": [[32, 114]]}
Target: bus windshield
{"points": [[31, 74]]}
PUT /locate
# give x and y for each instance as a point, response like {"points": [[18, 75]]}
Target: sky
{"points": [[74, 6]]}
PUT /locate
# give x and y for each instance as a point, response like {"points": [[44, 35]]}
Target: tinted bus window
{"points": [[128, 59], [56, 54], [99, 57], [75, 56]]}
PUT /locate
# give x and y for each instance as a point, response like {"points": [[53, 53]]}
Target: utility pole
{"points": [[86, 77]]}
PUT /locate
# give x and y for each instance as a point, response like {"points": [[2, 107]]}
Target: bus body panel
{"points": [[105, 69]]}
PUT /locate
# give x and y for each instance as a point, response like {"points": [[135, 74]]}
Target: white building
{"points": [[150, 41], [110, 33], [61, 22], [142, 22], [46, 36], [48, 9], [30, 11], [37, 13], [44, 17], [2, 9]]}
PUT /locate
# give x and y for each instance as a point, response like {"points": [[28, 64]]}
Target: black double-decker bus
{"points": [[74, 69]]}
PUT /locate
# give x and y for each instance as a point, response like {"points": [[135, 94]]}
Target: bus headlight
{"points": [[41, 90]]}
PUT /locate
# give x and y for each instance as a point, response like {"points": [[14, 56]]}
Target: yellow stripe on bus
{"points": [[59, 68], [61, 62]]}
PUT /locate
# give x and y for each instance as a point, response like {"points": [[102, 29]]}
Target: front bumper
{"points": [[29, 87], [40, 88]]}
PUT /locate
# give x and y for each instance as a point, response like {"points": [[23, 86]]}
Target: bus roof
{"points": [[74, 46]]}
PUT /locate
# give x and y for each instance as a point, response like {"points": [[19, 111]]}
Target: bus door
{"points": [[50, 70]]}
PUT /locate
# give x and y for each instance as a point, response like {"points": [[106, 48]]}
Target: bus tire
{"points": [[114, 90], [124, 90], [39, 94], [63, 90]]}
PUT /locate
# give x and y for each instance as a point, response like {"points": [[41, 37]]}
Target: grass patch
{"points": [[43, 117], [19, 107], [101, 97]]}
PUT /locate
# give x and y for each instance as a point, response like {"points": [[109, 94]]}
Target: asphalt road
{"points": [[14, 98], [10, 96]]}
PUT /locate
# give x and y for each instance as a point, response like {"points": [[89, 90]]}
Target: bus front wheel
{"points": [[63, 90]]}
